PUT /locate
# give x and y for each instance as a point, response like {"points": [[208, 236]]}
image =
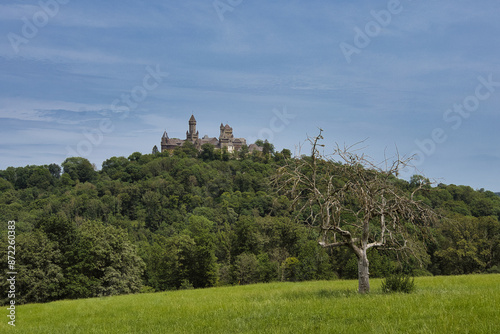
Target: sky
{"points": [[106, 78]]}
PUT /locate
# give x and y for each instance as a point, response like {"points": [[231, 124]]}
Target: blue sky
{"points": [[106, 78]]}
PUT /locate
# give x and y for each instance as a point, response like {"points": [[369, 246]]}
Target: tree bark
{"points": [[363, 273]]}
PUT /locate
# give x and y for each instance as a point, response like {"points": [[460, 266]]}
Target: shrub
{"points": [[494, 270], [147, 289], [289, 269], [398, 283], [186, 285]]}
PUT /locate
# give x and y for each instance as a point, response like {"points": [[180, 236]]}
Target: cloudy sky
{"points": [[106, 78]]}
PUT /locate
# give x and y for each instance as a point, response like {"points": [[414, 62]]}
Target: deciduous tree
{"points": [[354, 202]]}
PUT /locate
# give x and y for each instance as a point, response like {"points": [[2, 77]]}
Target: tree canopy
{"points": [[154, 222]]}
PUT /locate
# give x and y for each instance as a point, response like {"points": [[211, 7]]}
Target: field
{"points": [[452, 304]]}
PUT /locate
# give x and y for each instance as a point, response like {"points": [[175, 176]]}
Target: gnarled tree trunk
{"points": [[363, 273]]}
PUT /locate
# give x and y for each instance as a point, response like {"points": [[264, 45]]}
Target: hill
{"points": [[455, 304], [160, 222]]}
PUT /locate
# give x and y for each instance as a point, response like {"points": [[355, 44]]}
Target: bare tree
{"points": [[354, 202]]}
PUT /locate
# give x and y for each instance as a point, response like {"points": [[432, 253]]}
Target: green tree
{"points": [[189, 149], [40, 178], [267, 148], [225, 154], [468, 245], [152, 202], [457, 206], [243, 152], [5, 185], [169, 261], [482, 207], [268, 269], [79, 169], [38, 260], [289, 269], [115, 167], [246, 267], [203, 271], [207, 152], [287, 154], [314, 262], [136, 156], [102, 262], [55, 170]]}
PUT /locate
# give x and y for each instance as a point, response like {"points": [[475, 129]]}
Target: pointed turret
{"points": [[192, 134]]}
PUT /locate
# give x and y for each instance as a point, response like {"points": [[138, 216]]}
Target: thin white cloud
{"points": [[61, 55], [40, 110]]}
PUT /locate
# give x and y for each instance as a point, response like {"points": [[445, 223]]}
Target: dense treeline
{"points": [[194, 219]]}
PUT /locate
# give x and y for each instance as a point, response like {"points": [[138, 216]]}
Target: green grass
{"points": [[453, 304]]}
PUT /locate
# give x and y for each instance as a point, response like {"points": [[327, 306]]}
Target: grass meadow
{"points": [[442, 304]]}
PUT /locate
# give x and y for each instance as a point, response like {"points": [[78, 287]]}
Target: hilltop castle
{"points": [[226, 139]]}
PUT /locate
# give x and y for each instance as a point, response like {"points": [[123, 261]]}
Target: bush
{"points": [[398, 283], [147, 289], [186, 285], [494, 270]]}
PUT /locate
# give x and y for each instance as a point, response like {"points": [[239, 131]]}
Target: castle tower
{"points": [[192, 134], [221, 131], [228, 131], [164, 141]]}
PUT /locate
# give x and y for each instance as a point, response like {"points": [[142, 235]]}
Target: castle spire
{"points": [[192, 134]]}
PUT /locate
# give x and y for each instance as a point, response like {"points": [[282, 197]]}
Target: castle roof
{"points": [[175, 141], [254, 147], [207, 140], [192, 119]]}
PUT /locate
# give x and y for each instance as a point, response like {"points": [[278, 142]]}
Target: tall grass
{"points": [[455, 304]]}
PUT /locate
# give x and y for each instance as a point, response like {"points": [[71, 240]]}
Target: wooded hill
{"points": [[201, 219]]}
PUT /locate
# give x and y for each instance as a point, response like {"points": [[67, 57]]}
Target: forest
{"points": [[195, 219]]}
